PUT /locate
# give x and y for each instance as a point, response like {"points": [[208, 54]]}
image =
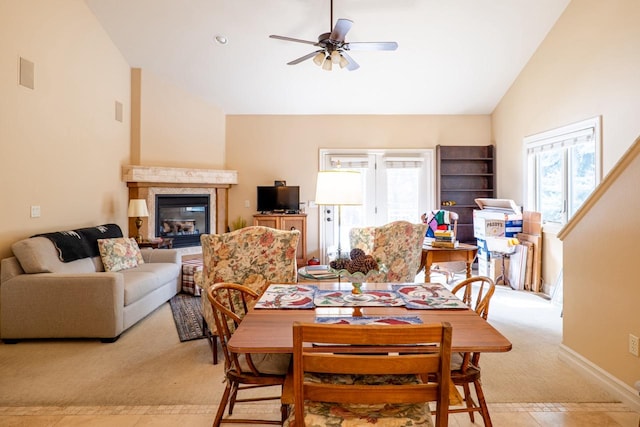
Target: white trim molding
{"points": [[627, 394]]}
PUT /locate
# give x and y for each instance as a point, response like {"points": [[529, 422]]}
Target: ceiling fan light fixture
{"points": [[343, 61], [334, 47], [318, 59], [327, 64]]}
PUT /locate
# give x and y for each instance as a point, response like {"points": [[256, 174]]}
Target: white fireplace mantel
{"points": [[145, 182], [158, 174]]}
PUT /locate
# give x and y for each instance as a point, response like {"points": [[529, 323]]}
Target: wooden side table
{"points": [[157, 244], [431, 255]]}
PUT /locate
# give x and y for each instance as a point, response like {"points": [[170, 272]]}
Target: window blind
{"points": [[562, 141]]}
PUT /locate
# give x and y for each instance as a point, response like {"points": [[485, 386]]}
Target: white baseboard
{"points": [[627, 394]]}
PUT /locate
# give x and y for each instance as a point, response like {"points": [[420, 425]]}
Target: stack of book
{"points": [[444, 239]]}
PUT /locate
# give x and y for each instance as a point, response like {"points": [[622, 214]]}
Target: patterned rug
{"points": [[187, 314]]}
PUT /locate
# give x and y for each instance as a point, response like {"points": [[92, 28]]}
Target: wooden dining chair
{"points": [[369, 374], [253, 256], [230, 303], [476, 292]]}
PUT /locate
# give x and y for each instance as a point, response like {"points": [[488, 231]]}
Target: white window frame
{"points": [[561, 138], [427, 198]]}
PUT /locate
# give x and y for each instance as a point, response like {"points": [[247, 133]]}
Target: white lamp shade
{"points": [[137, 207], [339, 187]]}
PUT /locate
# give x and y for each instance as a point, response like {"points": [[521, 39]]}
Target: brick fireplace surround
{"points": [[145, 182]]}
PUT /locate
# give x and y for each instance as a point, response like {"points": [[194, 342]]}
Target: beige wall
{"points": [[61, 146], [587, 66], [601, 303], [178, 129], [266, 148]]}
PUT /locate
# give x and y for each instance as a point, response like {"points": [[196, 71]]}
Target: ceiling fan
{"points": [[333, 47]]}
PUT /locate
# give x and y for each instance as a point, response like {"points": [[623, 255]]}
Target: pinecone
{"points": [[356, 253], [370, 263], [352, 266], [356, 265], [339, 264]]}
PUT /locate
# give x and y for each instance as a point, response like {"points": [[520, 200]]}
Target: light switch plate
{"points": [[634, 345]]}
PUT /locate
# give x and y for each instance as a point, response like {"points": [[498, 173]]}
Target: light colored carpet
{"points": [[531, 371], [148, 365]]}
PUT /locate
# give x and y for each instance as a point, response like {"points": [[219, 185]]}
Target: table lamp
{"points": [[339, 187], [138, 209]]}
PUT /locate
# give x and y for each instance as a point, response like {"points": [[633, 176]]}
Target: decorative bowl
{"points": [[357, 278]]}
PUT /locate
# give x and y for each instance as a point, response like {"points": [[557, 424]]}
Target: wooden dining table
{"points": [[270, 330]]}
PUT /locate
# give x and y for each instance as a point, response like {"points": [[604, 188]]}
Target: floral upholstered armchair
{"points": [[253, 256], [397, 246], [362, 238]]}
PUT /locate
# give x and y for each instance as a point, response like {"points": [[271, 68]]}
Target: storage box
{"points": [[496, 218], [532, 223], [491, 267], [502, 245]]}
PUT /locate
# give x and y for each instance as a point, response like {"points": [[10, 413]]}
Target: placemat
{"points": [[430, 296], [370, 320], [287, 296], [365, 299]]}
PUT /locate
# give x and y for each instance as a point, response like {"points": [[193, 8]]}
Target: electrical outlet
{"points": [[634, 345]]}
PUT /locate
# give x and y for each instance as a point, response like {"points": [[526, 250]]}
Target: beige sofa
{"points": [[43, 297]]}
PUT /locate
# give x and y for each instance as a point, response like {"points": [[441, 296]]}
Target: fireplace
{"points": [[190, 217], [182, 217]]}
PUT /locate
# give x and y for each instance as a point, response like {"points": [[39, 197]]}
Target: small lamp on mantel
{"points": [[138, 209], [339, 187]]}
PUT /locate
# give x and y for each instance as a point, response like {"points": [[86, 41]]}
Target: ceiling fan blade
{"points": [[291, 39], [340, 30], [304, 58], [352, 65], [371, 46]]}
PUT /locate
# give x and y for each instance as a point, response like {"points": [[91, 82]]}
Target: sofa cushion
{"points": [[120, 253], [146, 278], [39, 255], [139, 283], [166, 271]]}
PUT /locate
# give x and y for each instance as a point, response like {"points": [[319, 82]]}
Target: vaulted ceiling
{"points": [[453, 56]]}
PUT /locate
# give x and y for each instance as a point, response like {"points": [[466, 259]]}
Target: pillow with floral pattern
{"points": [[119, 253]]}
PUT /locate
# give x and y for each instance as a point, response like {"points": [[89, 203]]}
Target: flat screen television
{"points": [[279, 199]]}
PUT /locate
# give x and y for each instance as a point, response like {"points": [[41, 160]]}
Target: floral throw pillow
{"points": [[120, 253]]}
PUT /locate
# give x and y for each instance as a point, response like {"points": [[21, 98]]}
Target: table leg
{"points": [[427, 268], [469, 269]]}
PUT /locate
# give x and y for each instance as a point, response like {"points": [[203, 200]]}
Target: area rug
{"points": [[187, 314]]}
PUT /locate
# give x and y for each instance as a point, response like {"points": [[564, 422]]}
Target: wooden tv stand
{"points": [[283, 221]]}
